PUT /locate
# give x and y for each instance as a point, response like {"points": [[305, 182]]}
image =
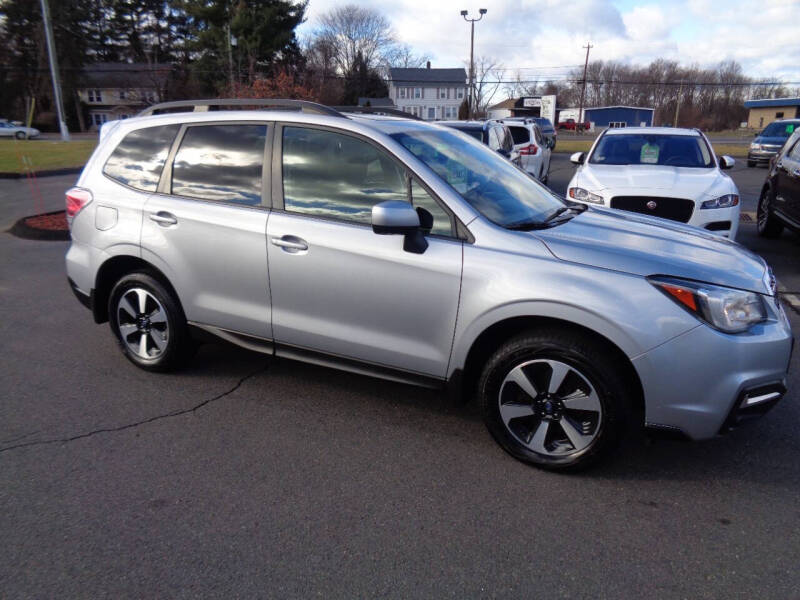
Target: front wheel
{"points": [[768, 224], [20, 135], [554, 399], [148, 323]]}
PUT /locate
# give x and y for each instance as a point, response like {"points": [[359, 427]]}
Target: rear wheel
{"points": [[148, 323], [554, 399], [769, 226], [20, 135]]}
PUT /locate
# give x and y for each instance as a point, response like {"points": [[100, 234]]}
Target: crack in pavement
{"points": [[174, 413]]}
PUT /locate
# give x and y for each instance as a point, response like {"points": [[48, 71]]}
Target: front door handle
{"points": [[164, 218], [290, 243]]}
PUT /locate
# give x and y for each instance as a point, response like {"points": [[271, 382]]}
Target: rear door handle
{"points": [[164, 218], [290, 243]]}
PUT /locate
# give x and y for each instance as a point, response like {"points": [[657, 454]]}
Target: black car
{"points": [[770, 141], [779, 204], [492, 133]]}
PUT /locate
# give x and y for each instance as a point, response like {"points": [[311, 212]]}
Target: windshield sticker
{"points": [[790, 128], [649, 154]]}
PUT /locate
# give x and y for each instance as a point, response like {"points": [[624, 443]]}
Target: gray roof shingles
{"points": [[428, 76]]}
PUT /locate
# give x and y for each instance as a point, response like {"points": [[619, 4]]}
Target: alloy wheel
{"points": [[142, 323], [550, 407], [763, 211]]}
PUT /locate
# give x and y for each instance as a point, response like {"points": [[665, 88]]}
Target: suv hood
{"points": [[684, 182], [771, 141], [643, 245]]}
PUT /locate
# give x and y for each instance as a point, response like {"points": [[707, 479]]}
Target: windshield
{"points": [[491, 184], [778, 129], [649, 149]]}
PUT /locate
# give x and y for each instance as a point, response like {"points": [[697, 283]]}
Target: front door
{"points": [[337, 287], [205, 228]]}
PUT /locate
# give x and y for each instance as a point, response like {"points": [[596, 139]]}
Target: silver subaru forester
{"points": [[405, 250]]}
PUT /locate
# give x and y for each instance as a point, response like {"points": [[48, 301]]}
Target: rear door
{"points": [[205, 228], [337, 287]]}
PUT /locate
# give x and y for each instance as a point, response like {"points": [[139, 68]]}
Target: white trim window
{"points": [[95, 96], [401, 93], [443, 93], [99, 118], [459, 93], [122, 94], [417, 92]]}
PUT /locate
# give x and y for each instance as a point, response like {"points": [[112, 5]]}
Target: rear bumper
{"points": [[700, 383]]}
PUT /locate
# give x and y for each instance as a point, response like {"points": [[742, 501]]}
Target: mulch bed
{"points": [[50, 227]]}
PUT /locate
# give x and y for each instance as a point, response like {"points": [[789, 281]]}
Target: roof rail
{"points": [[221, 103], [376, 110]]}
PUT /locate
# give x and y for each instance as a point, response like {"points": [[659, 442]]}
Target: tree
{"points": [[282, 84], [356, 33], [488, 75]]}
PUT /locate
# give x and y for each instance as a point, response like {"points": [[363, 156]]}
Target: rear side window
{"points": [[222, 163], [520, 134], [140, 157]]}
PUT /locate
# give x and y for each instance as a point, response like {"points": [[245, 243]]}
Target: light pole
{"points": [[51, 52], [472, 98]]}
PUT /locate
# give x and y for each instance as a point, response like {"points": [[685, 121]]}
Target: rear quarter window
{"points": [[520, 134], [139, 158]]}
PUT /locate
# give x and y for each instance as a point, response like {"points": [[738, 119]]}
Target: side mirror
{"points": [[395, 217], [726, 162], [578, 158]]}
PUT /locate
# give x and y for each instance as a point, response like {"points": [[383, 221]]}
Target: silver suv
{"points": [[408, 251]]}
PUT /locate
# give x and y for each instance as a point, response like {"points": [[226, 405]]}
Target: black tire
{"points": [[20, 135], [751, 163], [769, 226], [166, 347], [591, 362]]}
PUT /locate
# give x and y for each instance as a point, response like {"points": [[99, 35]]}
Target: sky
{"points": [[545, 37]]}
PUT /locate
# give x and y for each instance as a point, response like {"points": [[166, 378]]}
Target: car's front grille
{"points": [[676, 209]]}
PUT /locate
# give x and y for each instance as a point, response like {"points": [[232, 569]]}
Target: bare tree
{"points": [[402, 56], [356, 33], [488, 78]]}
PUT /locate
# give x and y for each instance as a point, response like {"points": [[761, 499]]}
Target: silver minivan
{"points": [[409, 251]]}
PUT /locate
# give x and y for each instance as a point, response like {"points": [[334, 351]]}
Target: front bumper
{"points": [[699, 382], [761, 156]]}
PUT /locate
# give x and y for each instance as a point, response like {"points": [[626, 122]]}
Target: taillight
{"points": [[77, 199], [529, 150]]}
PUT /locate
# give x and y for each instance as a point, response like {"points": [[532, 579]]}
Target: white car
{"points": [[8, 129], [531, 145], [660, 171]]}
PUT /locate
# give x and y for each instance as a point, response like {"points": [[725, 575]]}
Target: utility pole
{"points": [[588, 47], [472, 98], [51, 52], [678, 103]]}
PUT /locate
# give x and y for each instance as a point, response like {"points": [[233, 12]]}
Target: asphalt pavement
{"points": [[245, 476]]}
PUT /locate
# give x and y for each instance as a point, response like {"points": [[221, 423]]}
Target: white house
{"points": [[120, 90], [431, 94]]}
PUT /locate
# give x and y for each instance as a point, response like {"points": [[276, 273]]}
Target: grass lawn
{"points": [[570, 146], [41, 154]]}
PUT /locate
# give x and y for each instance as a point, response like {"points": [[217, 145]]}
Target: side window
{"points": [[538, 136], [441, 220], [140, 156], [520, 134], [494, 140], [222, 163], [329, 174], [795, 152]]}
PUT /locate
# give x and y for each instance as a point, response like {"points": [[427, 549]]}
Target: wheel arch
{"points": [[111, 271], [464, 376]]}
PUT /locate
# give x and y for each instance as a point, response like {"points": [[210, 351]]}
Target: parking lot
{"points": [[245, 476]]}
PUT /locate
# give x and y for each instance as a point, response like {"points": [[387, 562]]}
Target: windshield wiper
{"points": [[549, 221]]}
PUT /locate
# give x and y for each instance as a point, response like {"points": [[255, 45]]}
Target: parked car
{"points": [[572, 125], [492, 133], [548, 131], [533, 149], [10, 129], [770, 141], [779, 203], [671, 173], [406, 250]]}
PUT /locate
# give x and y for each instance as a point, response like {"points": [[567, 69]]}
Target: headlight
{"points": [[583, 195], [725, 201], [755, 146], [726, 309]]}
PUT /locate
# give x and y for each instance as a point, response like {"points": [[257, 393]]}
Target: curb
{"points": [[25, 232], [45, 173]]}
